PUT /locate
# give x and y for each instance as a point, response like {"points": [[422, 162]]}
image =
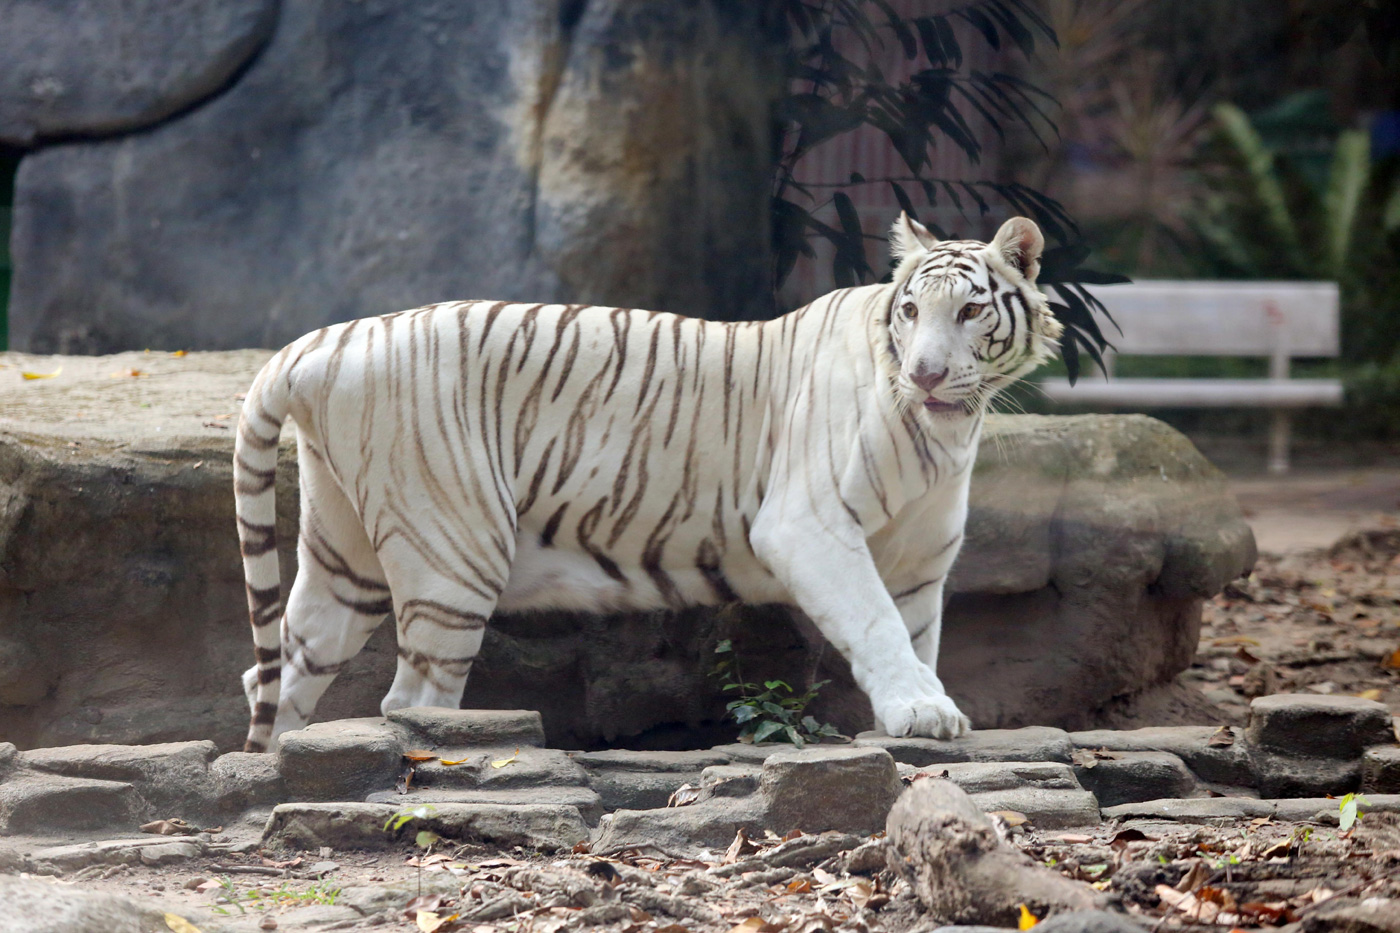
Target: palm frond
{"points": [[1347, 182]]}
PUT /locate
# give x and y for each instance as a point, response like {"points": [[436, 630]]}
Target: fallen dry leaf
{"points": [[1234, 640], [736, 848], [1121, 838], [178, 353], [1088, 758], [179, 924], [126, 374], [1195, 876], [1012, 817], [430, 922], [1221, 738], [453, 764], [683, 796], [418, 754], [799, 886], [1274, 912], [1392, 660], [502, 762], [171, 827], [50, 376], [1219, 897], [1027, 919], [1373, 694], [288, 863], [428, 902], [756, 925], [1188, 905]]}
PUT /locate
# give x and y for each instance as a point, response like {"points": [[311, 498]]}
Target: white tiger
{"points": [[471, 456]]}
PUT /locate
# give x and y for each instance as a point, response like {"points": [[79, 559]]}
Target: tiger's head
{"points": [[966, 319]]}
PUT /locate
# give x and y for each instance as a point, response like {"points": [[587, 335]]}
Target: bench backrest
{"points": [[1178, 318]]}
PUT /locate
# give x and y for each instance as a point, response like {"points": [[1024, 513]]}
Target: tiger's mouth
{"points": [[961, 406]]}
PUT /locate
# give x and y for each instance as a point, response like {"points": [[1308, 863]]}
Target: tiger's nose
{"points": [[929, 381]]}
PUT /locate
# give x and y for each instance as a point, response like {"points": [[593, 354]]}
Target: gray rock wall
{"points": [[379, 155], [1091, 542], [82, 68]]}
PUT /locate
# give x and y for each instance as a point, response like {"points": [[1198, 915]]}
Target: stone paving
{"points": [[486, 777]]}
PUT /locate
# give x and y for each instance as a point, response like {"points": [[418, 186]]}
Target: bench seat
{"points": [[1092, 390]]}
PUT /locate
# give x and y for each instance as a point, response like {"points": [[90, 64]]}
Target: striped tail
{"points": [[255, 502]]}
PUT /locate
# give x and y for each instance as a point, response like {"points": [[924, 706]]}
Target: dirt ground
{"points": [[1241, 874], [1321, 613]]}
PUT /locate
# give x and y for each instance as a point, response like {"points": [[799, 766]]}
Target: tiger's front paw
{"points": [[933, 717]]}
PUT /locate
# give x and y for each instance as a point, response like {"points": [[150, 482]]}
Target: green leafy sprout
{"points": [[425, 839], [1349, 810], [772, 711], [320, 892]]}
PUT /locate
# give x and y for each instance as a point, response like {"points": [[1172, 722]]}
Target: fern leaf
{"points": [[1268, 189], [1351, 171]]}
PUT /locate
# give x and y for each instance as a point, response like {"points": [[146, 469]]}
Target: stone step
{"points": [[979, 777], [643, 780], [44, 804], [433, 727], [308, 826], [588, 802], [1218, 763], [1131, 776], [1033, 743], [59, 859], [527, 767], [1380, 770], [1044, 808], [686, 762], [341, 760], [1209, 809], [1047, 793], [172, 777]]}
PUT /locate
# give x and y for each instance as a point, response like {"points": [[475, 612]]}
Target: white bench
{"points": [[1278, 320]]}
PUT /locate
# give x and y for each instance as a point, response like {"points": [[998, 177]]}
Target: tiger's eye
{"points": [[969, 312], [910, 310]]}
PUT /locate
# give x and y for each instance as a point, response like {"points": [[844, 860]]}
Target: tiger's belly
{"points": [[559, 577]]}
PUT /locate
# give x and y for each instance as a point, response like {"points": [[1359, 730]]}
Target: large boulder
{"points": [[1092, 542], [377, 155], [90, 68]]}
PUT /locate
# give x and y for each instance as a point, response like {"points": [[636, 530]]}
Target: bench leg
{"points": [[1279, 431]]}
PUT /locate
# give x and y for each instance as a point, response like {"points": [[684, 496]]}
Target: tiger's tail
{"points": [[255, 502]]}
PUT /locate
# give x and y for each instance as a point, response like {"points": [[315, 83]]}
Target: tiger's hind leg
{"points": [[339, 597], [441, 617]]}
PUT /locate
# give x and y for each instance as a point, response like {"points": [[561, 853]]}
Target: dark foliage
{"points": [[835, 94]]}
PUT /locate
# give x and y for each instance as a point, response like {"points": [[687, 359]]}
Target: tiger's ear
{"points": [[1020, 243], [909, 236]]}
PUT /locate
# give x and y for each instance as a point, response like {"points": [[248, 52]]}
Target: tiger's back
{"points": [[625, 450]]}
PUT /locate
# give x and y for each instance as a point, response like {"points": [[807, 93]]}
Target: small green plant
{"points": [[772, 711], [320, 892], [1349, 810], [425, 839]]}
